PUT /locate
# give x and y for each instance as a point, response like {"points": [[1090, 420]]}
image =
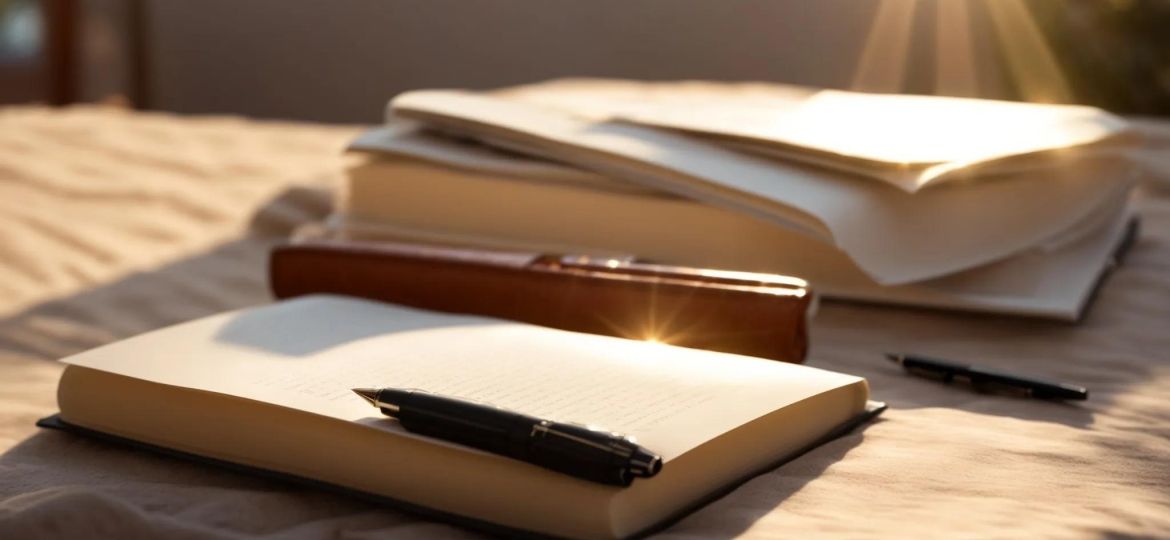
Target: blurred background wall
{"points": [[340, 61]]}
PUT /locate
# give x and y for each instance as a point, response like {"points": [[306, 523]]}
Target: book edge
{"points": [[871, 411], [1130, 237]]}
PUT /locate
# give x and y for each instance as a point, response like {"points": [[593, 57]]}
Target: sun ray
{"points": [[1031, 62], [954, 55], [882, 67]]}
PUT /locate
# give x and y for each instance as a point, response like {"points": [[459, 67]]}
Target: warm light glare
{"points": [[1030, 61], [954, 54], [883, 60], [920, 129], [1032, 64], [761, 278]]}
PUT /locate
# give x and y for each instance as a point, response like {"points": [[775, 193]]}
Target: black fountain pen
{"points": [[590, 454], [987, 380]]}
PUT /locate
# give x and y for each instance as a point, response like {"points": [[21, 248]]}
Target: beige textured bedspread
{"points": [[113, 223]]}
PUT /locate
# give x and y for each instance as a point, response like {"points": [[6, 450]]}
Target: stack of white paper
{"points": [[941, 202]]}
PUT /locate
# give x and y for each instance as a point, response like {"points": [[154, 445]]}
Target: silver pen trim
{"points": [[544, 429]]}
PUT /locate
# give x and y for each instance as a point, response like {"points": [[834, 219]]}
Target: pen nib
{"points": [[895, 358], [368, 394]]}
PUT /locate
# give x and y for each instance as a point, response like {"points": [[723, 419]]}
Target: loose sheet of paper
{"points": [[906, 140]]}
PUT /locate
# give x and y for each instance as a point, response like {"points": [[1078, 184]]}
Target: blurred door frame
{"points": [[60, 50]]}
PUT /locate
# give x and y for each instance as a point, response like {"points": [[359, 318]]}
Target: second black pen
{"points": [[987, 380]]}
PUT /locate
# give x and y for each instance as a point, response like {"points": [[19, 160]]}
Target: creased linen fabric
{"points": [[113, 223]]}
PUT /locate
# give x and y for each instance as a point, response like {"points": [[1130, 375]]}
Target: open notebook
{"points": [[269, 389]]}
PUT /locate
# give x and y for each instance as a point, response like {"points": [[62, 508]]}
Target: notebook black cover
{"points": [[872, 410]]}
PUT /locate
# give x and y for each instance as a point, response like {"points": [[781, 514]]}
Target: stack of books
{"points": [[928, 201]]}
